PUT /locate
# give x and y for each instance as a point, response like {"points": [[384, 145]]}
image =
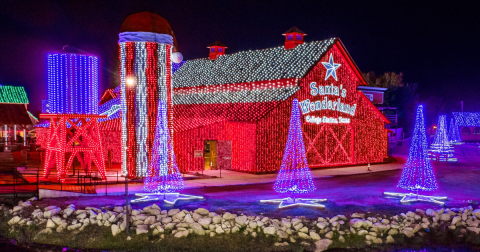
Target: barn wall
{"points": [[242, 135], [326, 145]]}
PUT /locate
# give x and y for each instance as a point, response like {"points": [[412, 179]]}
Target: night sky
{"points": [[436, 45]]}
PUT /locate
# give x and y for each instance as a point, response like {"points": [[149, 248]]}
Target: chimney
{"points": [[293, 37], [216, 49]]}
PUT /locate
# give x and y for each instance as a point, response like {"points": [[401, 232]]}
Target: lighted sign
{"points": [[308, 106]]}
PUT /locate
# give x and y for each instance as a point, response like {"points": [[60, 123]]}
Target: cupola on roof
{"points": [[148, 22]]}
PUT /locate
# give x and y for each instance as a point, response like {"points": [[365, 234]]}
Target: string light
{"points": [[246, 98], [440, 144], [11, 94], [57, 145], [453, 132], [72, 84], [418, 172], [294, 175]]}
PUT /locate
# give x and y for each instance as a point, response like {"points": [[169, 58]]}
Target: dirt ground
{"points": [[345, 194]]}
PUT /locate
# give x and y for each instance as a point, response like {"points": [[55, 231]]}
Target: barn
{"points": [[232, 111]]}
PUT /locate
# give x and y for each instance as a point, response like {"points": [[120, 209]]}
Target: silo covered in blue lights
{"points": [[72, 83]]}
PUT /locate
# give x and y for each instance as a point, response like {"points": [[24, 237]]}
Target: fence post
{"points": [[14, 184], [38, 183]]}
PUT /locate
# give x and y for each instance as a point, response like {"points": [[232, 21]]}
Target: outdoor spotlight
{"points": [[130, 81]]}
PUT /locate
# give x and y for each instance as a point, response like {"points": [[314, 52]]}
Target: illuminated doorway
{"points": [[210, 154]]}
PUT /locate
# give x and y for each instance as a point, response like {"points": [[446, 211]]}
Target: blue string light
{"points": [[418, 171], [163, 176], [453, 132], [440, 144], [294, 175], [72, 84]]}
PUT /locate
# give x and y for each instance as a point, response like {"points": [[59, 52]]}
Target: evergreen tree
{"points": [[418, 171], [294, 175]]}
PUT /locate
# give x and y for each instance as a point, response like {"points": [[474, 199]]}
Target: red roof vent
{"points": [[293, 37], [216, 49]]}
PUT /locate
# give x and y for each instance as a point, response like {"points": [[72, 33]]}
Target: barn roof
{"points": [[467, 119], [11, 94], [251, 66], [246, 96], [14, 114]]}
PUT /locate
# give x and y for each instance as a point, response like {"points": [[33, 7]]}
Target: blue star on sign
{"points": [[331, 68]]}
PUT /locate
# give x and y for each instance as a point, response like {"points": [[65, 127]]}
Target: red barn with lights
{"points": [[232, 111]]}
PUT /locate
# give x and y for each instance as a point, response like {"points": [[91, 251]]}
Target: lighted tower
{"points": [[72, 83], [147, 48]]}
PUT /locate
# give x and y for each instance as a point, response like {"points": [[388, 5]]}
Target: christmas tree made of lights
{"points": [[294, 176], [163, 174], [453, 133], [164, 180], [440, 144], [418, 173]]}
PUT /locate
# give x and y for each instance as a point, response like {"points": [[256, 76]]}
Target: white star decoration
{"points": [[331, 68], [169, 198], [411, 197], [289, 202]]}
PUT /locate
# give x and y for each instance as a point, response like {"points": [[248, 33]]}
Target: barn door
{"points": [[224, 154]]}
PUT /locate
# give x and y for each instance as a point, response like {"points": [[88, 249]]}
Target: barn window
{"points": [[212, 49], [476, 131], [466, 131], [299, 37], [289, 37]]}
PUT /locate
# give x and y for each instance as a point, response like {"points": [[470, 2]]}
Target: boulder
{"points": [[205, 222], [303, 230], [181, 234], [341, 239], [322, 245], [393, 231], [219, 230], [118, 209], [50, 224], [476, 213], [241, 220], [304, 236], [188, 219], [82, 216], [329, 235], [474, 229], [270, 230], [170, 225], [202, 211], [180, 215], [282, 234], [362, 232], [172, 212], [229, 216], [115, 230], [142, 229], [14, 220], [314, 236], [216, 219], [17, 208], [149, 220], [198, 229], [455, 220], [74, 226], [235, 230], [166, 220], [57, 220], [390, 239], [445, 217], [60, 229], [51, 212]]}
